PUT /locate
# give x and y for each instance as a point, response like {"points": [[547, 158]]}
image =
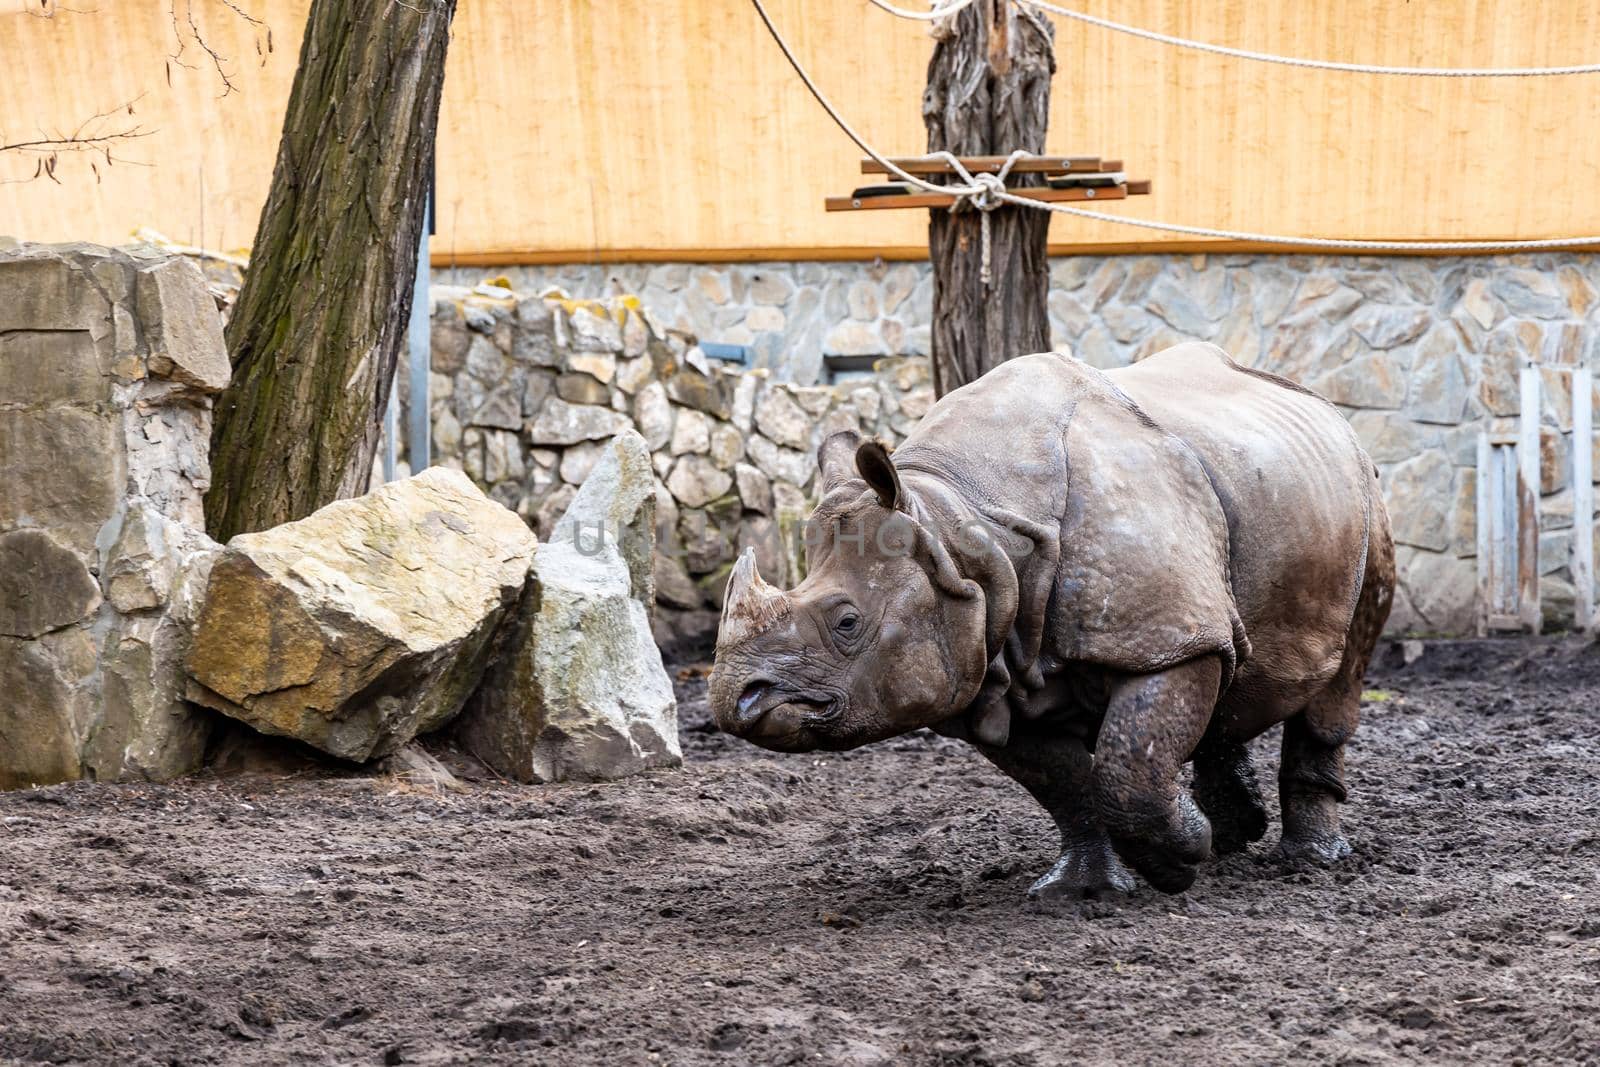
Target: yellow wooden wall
{"points": [[581, 129]]}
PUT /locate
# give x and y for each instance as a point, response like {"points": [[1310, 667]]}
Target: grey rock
{"points": [[577, 690], [779, 417], [593, 332], [690, 433], [1420, 493], [1382, 326], [1375, 381], [449, 340], [181, 326], [743, 407], [501, 409], [674, 587], [785, 464], [1174, 306], [696, 481], [561, 423], [618, 497], [485, 361], [1530, 292], [44, 585], [141, 566], [754, 488], [652, 412], [1390, 437], [727, 445], [1438, 390], [577, 388]]}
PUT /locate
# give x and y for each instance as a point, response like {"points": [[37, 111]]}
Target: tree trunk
{"points": [[989, 94], [318, 327]]}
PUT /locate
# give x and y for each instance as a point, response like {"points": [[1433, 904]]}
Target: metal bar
{"points": [[391, 429], [419, 431], [1502, 518], [1528, 499], [1582, 499], [1485, 521]]}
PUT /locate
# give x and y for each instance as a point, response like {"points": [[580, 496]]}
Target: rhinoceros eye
{"points": [[846, 624]]}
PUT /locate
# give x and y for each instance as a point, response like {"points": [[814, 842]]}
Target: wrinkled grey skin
{"points": [[1179, 555]]}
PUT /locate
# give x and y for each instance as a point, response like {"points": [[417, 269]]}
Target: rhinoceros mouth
{"points": [[761, 699]]}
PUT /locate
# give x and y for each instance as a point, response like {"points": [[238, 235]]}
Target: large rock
{"points": [[616, 506], [364, 624], [109, 360], [577, 690]]}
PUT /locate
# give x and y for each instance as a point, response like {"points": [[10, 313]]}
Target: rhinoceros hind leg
{"points": [[1226, 789], [1055, 770], [1311, 773], [1152, 726], [1310, 790]]}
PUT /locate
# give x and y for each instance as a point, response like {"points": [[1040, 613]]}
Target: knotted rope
{"points": [[982, 193]]}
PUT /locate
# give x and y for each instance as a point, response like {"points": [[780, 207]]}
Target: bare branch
{"points": [[186, 29], [96, 135], [49, 9]]}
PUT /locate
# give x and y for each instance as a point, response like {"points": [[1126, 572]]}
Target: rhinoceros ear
{"points": [[872, 461], [836, 458]]}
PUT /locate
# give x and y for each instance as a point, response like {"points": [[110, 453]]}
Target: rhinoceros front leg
{"points": [[1152, 725], [1056, 770]]}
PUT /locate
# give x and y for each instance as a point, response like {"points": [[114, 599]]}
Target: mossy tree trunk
{"points": [[318, 327], [989, 94]]}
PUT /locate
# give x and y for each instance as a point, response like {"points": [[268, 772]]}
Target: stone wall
{"points": [[525, 392], [108, 364], [1420, 353]]}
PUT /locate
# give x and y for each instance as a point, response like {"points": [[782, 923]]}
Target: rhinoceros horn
{"points": [[751, 605]]}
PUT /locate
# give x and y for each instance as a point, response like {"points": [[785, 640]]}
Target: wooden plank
{"points": [[992, 165], [936, 200], [1582, 498], [1485, 519], [1528, 500]]}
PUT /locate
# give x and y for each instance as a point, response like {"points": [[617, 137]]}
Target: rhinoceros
{"points": [[1094, 578]]}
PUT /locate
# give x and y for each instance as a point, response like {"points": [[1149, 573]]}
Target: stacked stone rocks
{"points": [[526, 392], [109, 361]]}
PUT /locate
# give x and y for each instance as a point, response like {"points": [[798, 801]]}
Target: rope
{"points": [[986, 197], [937, 12], [953, 6], [1314, 64]]}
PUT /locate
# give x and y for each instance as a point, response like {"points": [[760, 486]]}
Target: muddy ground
{"points": [[863, 908]]}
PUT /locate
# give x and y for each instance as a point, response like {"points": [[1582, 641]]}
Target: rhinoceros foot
{"points": [[1319, 848], [1087, 869]]}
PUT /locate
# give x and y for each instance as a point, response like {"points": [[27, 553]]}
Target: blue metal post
{"points": [[419, 439]]}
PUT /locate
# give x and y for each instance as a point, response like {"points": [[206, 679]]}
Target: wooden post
{"points": [[1582, 499], [989, 94], [1528, 482]]}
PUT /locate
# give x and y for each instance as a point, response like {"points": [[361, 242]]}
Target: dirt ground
{"points": [[863, 908]]}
